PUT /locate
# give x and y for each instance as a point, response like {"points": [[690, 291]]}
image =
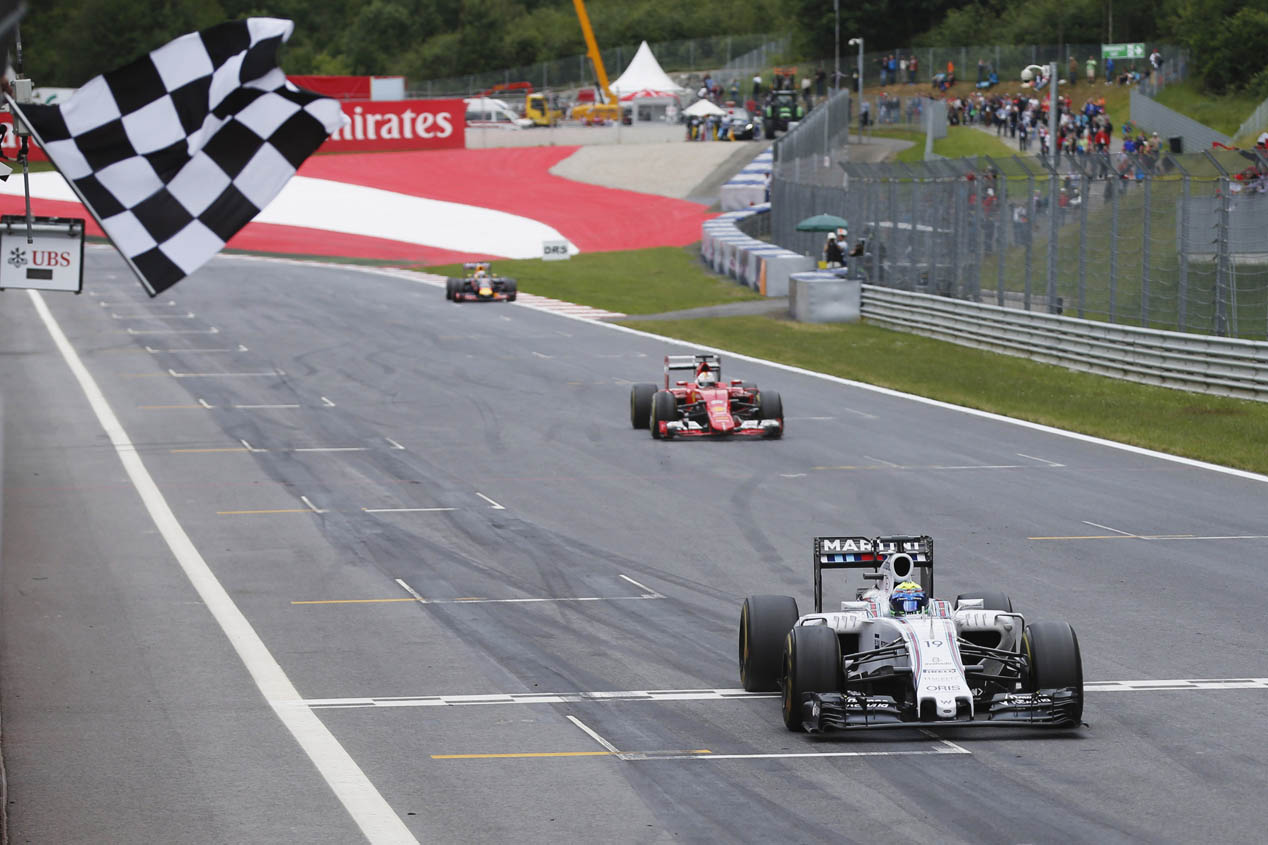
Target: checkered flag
{"points": [[177, 151]]}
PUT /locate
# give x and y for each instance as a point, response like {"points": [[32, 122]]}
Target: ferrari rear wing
{"points": [[692, 363], [870, 553]]}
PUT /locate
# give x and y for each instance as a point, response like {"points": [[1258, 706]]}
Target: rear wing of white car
{"points": [[870, 554], [692, 363]]}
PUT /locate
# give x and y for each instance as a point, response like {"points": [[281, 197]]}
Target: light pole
{"points": [[859, 42], [836, 46], [1027, 75]]}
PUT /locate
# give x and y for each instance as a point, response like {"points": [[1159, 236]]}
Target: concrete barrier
{"points": [[748, 187], [762, 266], [822, 297]]}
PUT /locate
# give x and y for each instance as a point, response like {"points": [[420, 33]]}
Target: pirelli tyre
{"points": [[991, 600], [1052, 650], [641, 404], [451, 287], [512, 288], [771, 407], [764, 623], [812, 663], [664, 409]]}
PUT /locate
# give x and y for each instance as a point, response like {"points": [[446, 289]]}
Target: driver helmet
{"points": [[707, 378], [907, 597]]}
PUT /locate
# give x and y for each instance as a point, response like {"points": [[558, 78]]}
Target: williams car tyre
{"points": [[764, 623], [990, 600], [641, 404], [771, 407], [1055, 663], [812, 663], [664, 409]]}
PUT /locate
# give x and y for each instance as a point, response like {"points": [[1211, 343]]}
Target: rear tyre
{"points": [[512, 289], [764, 623], [641, 404], [664, 409], [771, 407], [1055, 662], [812, 663], [990, 600]]}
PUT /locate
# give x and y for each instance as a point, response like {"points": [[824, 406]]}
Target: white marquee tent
{"points": [[644, 73]]}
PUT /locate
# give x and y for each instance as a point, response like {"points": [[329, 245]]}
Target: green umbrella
{"points": [[822, 223]]}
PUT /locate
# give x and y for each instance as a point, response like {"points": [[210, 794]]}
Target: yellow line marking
{"points": [[353, 601], [275, 510], [225, 449]]}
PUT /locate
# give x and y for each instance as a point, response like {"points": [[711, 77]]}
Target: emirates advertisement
{"points": [[378, 125]]}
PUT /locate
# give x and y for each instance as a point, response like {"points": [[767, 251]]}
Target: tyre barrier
{"points": [[748, 187], [762, 266], [824, 297]]}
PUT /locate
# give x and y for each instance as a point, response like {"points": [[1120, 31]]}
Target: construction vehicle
{"points": [[610, 108], [537, 106]]}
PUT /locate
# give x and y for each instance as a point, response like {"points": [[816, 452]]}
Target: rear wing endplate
{"points": [[869, 553]]}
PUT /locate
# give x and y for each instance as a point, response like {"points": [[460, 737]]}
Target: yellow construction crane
{"points": [[611, 109]]}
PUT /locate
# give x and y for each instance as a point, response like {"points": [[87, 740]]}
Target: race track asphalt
{"points": [[306, 452]]}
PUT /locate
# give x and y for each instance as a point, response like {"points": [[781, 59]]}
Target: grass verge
{"points": [[1223, 112], [1229, 432], [644, 281]]}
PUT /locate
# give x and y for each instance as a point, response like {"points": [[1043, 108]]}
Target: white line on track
{"points": [[407, 510], [1107, 528], [332, 449], [269, 374], [593, 734], [205, 403], [395, 445], [372, 814], [1041, 460], [327, 402], [881, 462], [239, 348], [1199, 684], [310, 505], [212, 330], [492, 503], [260, 407], [188, 316], [648, 591]]}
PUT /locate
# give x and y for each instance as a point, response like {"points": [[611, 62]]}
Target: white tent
{"points": [[644, 73], [703, 108]]}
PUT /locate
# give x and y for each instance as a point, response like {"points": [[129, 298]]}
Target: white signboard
{"points": [[555, 251], [53, 260]]}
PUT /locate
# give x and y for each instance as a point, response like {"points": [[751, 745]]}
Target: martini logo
{"points": [[17, 258], [846, 544]]}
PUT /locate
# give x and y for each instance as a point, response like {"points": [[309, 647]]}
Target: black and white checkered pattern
{"points": [[177, 151]]}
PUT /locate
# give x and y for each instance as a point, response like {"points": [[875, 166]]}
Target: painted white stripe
{"points": [[1041, 460], [212, 330], [407, 510], [188, 316], [1107, 528], [1203, 684], [310, 505], [395, 445], [259, 407], [646, 589], [238, 348], [327, 402], [377, 821], [590, 732], [269, 374], [494, 504], [332, 449]]}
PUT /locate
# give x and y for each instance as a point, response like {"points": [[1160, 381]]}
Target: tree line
{"points": [[66, 42]]}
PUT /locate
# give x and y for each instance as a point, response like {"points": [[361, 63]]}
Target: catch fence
{"points": [[738, 57], [1160, 241]]}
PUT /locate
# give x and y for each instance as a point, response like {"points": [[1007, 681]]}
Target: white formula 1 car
{"points": [[894, 656]]}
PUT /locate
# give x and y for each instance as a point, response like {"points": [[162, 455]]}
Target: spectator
{"points": [[821, 82], [832, 255], [1109, 71], [902, 68], [1072, 70], [911, 69], [1155, 63], [981, 72], [1091, 71], [757, 86]]}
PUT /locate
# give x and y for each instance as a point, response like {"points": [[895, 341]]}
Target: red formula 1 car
{"points": [[478, 284], [706, 406]]}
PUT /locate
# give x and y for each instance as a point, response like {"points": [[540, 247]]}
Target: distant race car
{"points": [[895, 657], [707, 406], [738, 125], [478, 284]]}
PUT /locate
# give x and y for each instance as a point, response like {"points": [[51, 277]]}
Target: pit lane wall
{"points": [[762, 266]]}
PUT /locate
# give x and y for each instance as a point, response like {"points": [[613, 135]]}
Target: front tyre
{"points": [[812, 663], [771, 407], [664, 409], [764, 622], [512, 289], [641, 404], [451, 286], [1052, 649]]}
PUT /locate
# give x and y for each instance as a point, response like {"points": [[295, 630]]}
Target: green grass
{"points": [[1223, 113], [1229, 432], [647, 281], [961, 142]]}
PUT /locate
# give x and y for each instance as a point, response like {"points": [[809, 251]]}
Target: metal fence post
{"points": [[1222, 297], [1054, 208], [875, 240], [1113, 252], [1182, 246], [1030, 235], [1146, 229]]}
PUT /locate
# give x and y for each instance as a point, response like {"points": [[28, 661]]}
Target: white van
{"points": [[486, 112]]}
